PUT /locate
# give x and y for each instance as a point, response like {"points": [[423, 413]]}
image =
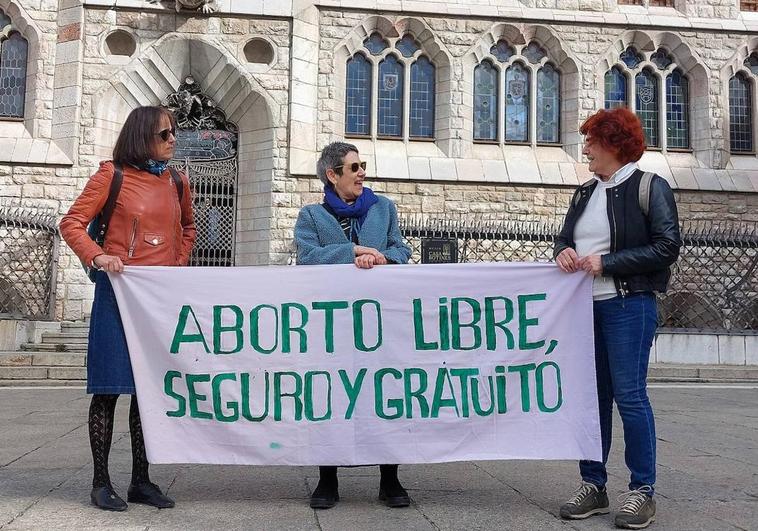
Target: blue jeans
{"points": [[624, 332]]}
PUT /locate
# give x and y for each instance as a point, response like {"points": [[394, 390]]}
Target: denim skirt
{"points": [[109, 371]]}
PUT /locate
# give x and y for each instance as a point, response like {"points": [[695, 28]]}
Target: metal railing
{"points": [[29, 244], [714, 284]]}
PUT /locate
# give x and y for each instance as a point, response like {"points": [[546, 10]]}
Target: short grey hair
{"points": [[331, 156]]}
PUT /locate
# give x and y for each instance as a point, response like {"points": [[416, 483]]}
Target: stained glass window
{"points": [[647, 106], [13, 58], [752, 63], [534, 52], [548, 107], [740, 114], [422, 98], [4, 20], [615, 88], [677, 123], [517, 103], [390, 91], [407, 46], [661, 59], [358, 96], [502, 50], [631, 57], [375, 44], [485, 102]]}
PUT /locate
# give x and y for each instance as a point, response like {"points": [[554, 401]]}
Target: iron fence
{"points": [[714, 284], [29, 243]]}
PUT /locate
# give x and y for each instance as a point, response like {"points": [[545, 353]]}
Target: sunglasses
{"points": [[165, 134], [353, 167]]}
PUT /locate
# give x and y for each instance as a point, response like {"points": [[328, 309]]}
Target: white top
{"points": [[592, 232]]}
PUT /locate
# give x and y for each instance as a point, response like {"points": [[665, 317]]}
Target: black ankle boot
{"points": [[149, 494], [394, 495], [106, 498], [325, 496]]}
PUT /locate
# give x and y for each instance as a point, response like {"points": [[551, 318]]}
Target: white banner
{"points": [[333, 365]]}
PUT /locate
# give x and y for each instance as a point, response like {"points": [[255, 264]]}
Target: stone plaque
{"points": [[439, 250]]}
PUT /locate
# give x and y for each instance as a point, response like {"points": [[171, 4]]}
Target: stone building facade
{"points": [[278, 70]]}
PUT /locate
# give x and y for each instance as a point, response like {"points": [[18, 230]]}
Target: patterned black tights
{"points": [[101, 413]]}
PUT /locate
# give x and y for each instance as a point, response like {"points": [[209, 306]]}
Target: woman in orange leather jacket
{"points": [[152, 225]]}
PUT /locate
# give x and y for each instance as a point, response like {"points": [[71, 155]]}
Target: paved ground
{"points": [[707, 470]]}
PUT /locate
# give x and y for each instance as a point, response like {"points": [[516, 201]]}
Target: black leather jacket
{"points": [[642, 247]]}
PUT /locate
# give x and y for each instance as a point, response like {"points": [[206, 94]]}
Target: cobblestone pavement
{"points": [[707, 477]]}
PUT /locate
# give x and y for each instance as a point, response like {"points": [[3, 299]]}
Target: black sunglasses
{"points": [[353, 167], [165, 133]]}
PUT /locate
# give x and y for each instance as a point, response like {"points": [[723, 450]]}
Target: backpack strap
{"points": [[644, 193], [110, 204], [177, 181], [578, 194]]}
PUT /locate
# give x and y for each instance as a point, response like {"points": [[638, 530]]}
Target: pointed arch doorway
{"points": [[206, 151]]}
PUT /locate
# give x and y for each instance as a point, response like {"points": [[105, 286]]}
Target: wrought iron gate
{"points": [[214, 193], [206, 150]]}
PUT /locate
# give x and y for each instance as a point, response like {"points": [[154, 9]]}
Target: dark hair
{"points": [[135, 142], [332, 156], [617, 130]]}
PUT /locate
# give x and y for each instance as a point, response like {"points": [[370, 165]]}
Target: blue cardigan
{"points": [[320, 239]]}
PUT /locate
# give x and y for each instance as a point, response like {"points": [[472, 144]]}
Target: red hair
{"points": [[617, 130]]}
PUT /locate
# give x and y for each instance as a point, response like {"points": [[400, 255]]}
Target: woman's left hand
{"points": [[592, 264], [365, 261]]}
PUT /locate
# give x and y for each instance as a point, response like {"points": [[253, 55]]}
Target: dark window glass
{"points": [[422, 98], [615, 88], [740, 114], [13, 57], [358, 96], [647, 106], [517, 103], [485, 102], [502, 50], [534, 52], [390, 91], [661, 59], [375, 44], [548, 104], [407, 46], [677, 111], [631, 57]]}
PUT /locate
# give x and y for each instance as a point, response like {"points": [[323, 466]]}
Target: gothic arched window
{"points": [[403, 103], [13, 62], [660, 89], [531, 90], [740, 114], [358, 96]]}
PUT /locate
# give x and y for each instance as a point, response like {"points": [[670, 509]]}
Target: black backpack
{"points": [[98, 227]]}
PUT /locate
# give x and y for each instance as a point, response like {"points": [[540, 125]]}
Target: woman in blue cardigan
{"points": [[352, 225]]}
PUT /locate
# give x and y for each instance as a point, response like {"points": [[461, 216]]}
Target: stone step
{"points": [[64, 338], [57, 359], [75, 327], [703, 373], [42, 372], [54, 347], [42, 383]]}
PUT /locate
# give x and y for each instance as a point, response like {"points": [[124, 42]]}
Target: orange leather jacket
{"points": [[148, 227]]}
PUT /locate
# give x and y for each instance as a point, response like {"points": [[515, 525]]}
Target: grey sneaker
{"points": [[638, 509], [586, 501]]}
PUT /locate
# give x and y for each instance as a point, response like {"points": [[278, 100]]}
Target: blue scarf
{"points": [[358, 210], [156, 167]]}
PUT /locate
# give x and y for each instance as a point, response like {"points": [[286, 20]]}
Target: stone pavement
{"points": [[707, 477]]}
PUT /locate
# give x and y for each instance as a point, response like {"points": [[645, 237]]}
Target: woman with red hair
{"points": [[622, 228]]}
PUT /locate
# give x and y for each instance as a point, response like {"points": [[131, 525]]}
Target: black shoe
{"points": [[394, 495], [325, 496], [149, 494], [106, 498], [586, 501]]}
